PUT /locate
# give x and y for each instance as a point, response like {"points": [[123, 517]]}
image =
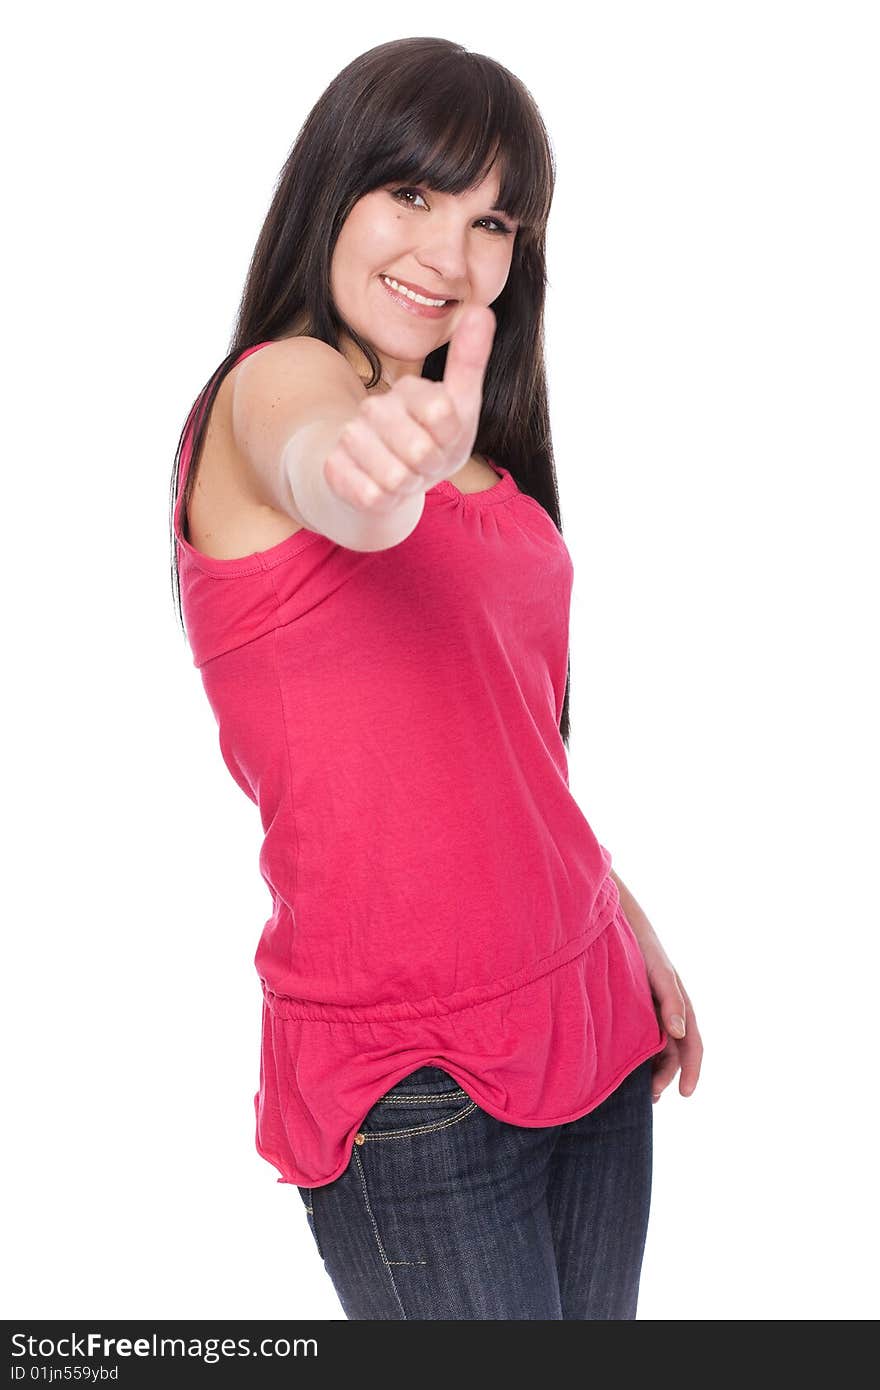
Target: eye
{"points": [[500, 228], [397, 192]]}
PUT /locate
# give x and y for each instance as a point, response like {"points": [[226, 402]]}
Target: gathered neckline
{"points": [[485, 497]]}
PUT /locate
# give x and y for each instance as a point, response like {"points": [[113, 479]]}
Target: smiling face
{"points": [[445, 245]]}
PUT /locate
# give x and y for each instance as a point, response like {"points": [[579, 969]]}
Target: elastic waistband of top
{"points": [[287, 1006]]}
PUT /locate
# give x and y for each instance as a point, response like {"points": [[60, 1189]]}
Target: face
{"points": [[446, 245]]}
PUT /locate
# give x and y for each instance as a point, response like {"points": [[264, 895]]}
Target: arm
{"points": [[291, 402], [684, 1046], [350, 466]]}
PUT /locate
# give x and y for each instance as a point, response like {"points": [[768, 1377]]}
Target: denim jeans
{"points": [[445, 1212]]}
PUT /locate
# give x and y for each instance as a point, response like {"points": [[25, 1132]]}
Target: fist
{"points": [[420, 431]]}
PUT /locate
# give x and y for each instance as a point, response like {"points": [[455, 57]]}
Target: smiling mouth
{"points": [[415, 297]]}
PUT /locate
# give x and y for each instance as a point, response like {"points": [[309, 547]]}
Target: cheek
{"points": [[372, 233], [383, 243], [490, 277]]}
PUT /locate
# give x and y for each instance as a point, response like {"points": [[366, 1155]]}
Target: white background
{"points": [[712, 344]]}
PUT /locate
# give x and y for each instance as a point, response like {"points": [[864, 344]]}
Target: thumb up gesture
{"points": [[419, 432]]}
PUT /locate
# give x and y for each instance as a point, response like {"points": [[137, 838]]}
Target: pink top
{"points": [[438, 897]]}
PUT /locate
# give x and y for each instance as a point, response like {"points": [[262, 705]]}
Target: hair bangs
{"points": [[455, 155]]}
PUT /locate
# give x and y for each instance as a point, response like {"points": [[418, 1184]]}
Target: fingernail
{"points": [[676, 1024], [656, 1097]]}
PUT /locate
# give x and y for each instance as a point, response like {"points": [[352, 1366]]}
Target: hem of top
{"points": [[289, 1007], [506, 1117], [259, 562]]}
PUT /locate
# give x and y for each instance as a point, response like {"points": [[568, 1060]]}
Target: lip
{"points": [[425, 311], [420, 289]]}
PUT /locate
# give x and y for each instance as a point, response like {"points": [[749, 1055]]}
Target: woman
{"points": [[465, 1012]]}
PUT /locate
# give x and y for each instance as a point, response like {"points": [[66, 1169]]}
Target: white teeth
{"points": [[411, 294]]}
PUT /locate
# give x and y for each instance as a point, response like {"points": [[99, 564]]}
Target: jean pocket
{"points": [[424, 1082], [308, 1194], [427, 1099]]}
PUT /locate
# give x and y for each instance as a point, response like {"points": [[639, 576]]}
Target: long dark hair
{"points": [[423, 111]]}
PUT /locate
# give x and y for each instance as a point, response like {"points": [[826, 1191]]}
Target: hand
{"points": [[675, 1013], [419, 432], [672, 1005]]}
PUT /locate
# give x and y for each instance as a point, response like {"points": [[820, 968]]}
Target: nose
{"points": [[444, 260]]}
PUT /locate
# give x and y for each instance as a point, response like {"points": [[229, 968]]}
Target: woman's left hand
{"points": [[675, 1012], [672, 1005]]}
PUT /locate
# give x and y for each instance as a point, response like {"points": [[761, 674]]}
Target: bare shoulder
{"points": [[239, 504], [274, 392], [289, 371]]}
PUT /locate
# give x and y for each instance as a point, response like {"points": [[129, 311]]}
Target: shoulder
{"points": [[294, 365]]}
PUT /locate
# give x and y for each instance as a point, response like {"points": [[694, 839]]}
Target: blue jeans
{"points": [[445, 1212]]}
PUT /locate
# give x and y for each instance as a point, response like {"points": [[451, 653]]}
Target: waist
{"points": [[290, 1007]]}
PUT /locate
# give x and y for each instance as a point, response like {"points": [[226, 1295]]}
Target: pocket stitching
{"points": [[308, 1202], [416, 1099], [462, 1114]]}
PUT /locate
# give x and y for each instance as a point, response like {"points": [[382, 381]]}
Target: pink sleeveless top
{"points": [[437, 895]]}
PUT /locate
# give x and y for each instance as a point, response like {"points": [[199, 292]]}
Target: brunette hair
{"points": [[422, 111]]}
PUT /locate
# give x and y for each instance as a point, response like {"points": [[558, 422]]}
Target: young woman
{"points": [[465, 1012]]}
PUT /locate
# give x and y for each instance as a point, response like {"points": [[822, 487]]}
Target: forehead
{"points": [[489, 187]]}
